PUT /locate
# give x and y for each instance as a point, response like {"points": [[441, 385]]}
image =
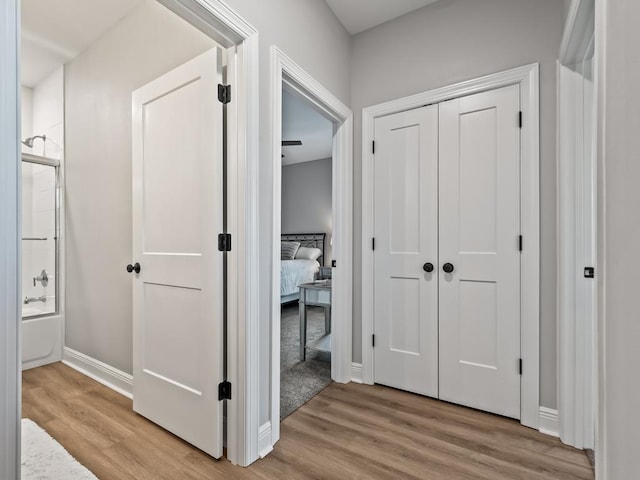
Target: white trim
{"points": [[285, 71], [549, 423], [528, 79], [10, 274], [356, 372], [109, 376], [578, 31], [265, 447]]}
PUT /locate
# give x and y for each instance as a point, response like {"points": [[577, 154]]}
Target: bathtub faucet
{"points": [[28, 300]]}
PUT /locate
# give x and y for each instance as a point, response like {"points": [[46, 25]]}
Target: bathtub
{"points": [[41, 336]]}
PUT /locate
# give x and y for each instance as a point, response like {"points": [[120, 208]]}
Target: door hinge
{"points": [[333, 263], [589, 272], [224, 391], [373, 147], [373, 340], [520, 118], [224, 242], [520, 242], [224, 93], [520, 366], [373, 243]]}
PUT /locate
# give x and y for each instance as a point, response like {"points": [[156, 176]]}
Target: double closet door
{"points": [[447, 251]]}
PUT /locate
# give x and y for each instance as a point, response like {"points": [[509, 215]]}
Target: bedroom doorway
{"points": [[312, 241], [305, 251]]}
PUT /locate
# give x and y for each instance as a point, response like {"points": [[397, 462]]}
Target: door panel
{"points": [[479, 314], [406, 297], [177, 207]]}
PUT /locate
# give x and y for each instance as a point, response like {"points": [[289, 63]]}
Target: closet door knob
{"points": [[133, 268], [428, 267], [447, 267]]}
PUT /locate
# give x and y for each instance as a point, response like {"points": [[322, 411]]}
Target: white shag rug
{"points": [[45, 459]]}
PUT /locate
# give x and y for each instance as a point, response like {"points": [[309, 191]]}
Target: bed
{"points": [[297, 271]]}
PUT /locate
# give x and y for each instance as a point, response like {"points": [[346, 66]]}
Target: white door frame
{"points": [[577, 332], [528, 79], [214, 18], [286, 71], [10, 274]]}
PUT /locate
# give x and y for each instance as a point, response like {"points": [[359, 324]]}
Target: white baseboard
{"points": [[264, 440], [356, 372], [549, 423], [102, 373]]}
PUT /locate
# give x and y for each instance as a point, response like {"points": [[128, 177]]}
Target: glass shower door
{"points": [[39, 236]]}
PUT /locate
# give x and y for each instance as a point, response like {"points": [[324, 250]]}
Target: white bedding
{"points": [[295, 272]]}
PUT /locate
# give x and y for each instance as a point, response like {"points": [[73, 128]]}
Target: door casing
{"points": [[527, 77], [285, 72]]}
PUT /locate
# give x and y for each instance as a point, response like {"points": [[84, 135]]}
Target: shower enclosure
{"points": [[42, 323]]}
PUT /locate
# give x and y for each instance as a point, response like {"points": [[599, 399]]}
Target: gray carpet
{"points": [[301, 381]]}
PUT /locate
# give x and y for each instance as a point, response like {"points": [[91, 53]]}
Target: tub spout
{"points": [[28, 300]]}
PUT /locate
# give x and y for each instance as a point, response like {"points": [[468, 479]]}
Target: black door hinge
{"points": [[520, 366], [520, 119], [333, 263], [373, 147], [373, 340], [224, 242], [224, 391], [373, 243], [589, 272], [520, 242], [224, 93]]}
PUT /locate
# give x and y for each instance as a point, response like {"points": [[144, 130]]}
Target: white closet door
{"points": [[479, 313], [177, 211], [406, 238]]}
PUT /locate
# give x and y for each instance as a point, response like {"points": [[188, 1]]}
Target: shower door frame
{"points": [[58, 209]]}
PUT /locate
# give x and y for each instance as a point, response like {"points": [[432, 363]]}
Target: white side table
{"points": [[315, 293]]}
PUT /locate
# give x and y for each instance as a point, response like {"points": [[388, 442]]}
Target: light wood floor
{"points": [[346, 432]]}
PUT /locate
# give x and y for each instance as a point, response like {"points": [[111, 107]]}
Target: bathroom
{"points": [[42, 232]]}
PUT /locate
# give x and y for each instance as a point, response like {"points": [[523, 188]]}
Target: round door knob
{"points": [[428, 267], [447, 267], [133, 268]]}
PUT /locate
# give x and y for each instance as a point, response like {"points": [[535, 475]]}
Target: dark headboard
{"points": [[310, 240]]}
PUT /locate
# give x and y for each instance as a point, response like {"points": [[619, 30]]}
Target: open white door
{"points": [[406, 250], [177, 215], [479, 251]]}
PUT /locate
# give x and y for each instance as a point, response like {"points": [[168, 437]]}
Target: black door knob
{"points": [[447, 267], [133, 268], [428, 267]]}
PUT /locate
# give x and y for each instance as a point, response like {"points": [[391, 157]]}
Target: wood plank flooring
{"points": [[346, 432]]}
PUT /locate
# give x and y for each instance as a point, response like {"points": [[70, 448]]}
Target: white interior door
{"points": [[479, 226], [177, 208], [406, 238]]}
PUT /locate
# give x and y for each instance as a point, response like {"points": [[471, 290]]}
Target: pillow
{"points": [[306, 253], [288, 250]]}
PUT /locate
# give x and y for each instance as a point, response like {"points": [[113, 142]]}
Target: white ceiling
{"points": [[360, 15], [55, 31], [301, 121]]}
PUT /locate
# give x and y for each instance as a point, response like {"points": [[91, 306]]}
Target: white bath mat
{"points": [[45, 459]]}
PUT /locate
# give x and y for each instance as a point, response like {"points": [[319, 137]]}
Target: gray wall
{"points": [[309, 33], [619, 255], [98, 86], [306, 200], [448, 42]]}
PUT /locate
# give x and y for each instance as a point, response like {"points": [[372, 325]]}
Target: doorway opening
{"points": [[327, 303], [85, 123], [305, 267]]}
